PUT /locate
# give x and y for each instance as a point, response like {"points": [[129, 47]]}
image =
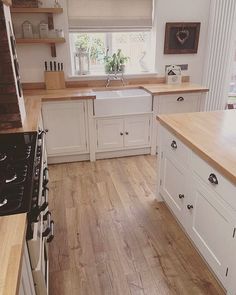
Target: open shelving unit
{"points": [[50, 11], [42, 41]]}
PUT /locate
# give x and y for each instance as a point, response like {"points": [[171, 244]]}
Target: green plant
{"points": [[116, 62]]}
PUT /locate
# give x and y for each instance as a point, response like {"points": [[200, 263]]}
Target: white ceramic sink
{"points": [[120, 102]]}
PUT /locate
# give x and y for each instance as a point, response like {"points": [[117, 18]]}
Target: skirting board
{"points": [[68, 159], [124, 153], [99, 156]]}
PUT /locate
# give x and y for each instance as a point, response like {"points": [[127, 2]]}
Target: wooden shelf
{"points": [[40, 41], [36, 10], [50, 11]]}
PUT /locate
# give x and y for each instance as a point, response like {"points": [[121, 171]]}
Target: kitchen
{"points": [[117, 153]]}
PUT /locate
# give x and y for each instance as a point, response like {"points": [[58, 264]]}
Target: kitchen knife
{"points": [[50, 65], [46, 66], [58, 66], [55, 66]]}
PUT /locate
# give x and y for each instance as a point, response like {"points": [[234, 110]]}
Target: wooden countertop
{"points": [[12, 233], [212, 135], [158, 89], [34, 98]]}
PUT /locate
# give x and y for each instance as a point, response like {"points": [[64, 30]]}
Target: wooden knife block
{"points": [[54, 80]]}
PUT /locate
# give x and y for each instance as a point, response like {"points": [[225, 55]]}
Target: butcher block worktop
{"points": [[34, 98], [212, 135], [159, 89], [12, 233]]}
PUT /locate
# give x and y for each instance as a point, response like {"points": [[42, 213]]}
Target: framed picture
{"points": [[181, 38]]}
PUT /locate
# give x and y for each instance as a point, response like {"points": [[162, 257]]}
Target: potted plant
{"points": [[115, 63]]}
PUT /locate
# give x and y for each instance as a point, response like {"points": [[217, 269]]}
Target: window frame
{"points": [[108, 43]]}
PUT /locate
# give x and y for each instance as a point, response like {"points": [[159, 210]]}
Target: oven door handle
{"points": [[45, 176], [47, 217], [51, 236]]}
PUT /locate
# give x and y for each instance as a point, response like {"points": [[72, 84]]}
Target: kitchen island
{"points": [[197, 180]]}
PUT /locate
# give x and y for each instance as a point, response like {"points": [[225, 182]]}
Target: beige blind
{"points": [[110, 14]]}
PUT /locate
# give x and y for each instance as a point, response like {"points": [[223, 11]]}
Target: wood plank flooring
{"points": [[113, 238]]}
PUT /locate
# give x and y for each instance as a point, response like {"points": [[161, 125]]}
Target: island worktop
{"points": [[212, 135]]}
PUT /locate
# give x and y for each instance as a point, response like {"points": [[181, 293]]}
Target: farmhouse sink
{"points": [[121, 102]]}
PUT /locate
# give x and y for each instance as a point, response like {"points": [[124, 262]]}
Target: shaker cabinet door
{"points": [[67, 127], [110, 134], [173, 185], [211, 229], [137, 131]]}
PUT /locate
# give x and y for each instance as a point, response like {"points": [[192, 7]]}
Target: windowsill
{"points": [[104, 76]]}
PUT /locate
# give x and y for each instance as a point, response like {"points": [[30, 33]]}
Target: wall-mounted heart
{"points": [[182, 36]]}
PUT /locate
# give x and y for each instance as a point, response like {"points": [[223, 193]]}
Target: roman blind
{"points": [[110, 14]]}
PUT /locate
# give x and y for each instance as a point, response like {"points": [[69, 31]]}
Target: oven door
{"points": [[40, 273], [36, 243]]}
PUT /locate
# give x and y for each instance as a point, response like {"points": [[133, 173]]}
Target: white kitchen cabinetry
{"points": [[110, 133], [204, 203], [178, 103], [174, 103], [26, 286], [137, 131], [123, 132], [67, 125], [211, 228], [173, 185]]}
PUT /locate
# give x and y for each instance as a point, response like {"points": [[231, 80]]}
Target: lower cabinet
{"points": [[208, 217], [66, 122], [110, 133], [211, 228], [173, 185], [26, 281], [123, 132]]}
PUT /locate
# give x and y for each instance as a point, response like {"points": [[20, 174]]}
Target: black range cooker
{"points": [[17, 171], [24, 178]]}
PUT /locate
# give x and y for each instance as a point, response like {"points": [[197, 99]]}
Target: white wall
{"points": [[32, 57], [182, 11]]}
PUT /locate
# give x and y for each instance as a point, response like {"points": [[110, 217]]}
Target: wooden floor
{"points": [[112, 237]]}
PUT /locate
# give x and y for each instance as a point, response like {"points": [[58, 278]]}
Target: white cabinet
{"points": [[123, 132], [205, 206], [173, 185], [211, 228], [174, 103], [110, 133], [66, 122], [137, 131], [26, 286], [178, 103]]}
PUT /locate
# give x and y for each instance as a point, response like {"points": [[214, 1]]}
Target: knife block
{"points": [[54, 80]]}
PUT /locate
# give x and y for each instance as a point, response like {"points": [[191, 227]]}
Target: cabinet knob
{"points": [[174, 144], [181, 196], [213, 179], [180, 98], [121, 133], [127, 133], [190, 207]]}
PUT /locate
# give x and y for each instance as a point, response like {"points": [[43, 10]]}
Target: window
{"points": [[232, 87], [136, 46]]}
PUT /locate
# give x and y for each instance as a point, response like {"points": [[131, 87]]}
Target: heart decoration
{"points": [[182, 36]]}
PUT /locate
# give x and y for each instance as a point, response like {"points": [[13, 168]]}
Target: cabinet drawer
{"points": [[174, 146], [179, 103], [215, 180]]}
